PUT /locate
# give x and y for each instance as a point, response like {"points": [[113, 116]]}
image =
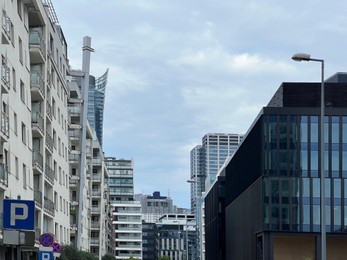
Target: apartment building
{"points": [[154, 206], [126, 212], [34, 133]]}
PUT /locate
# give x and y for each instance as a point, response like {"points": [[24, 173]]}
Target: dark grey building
{"points": [[149, 241], [272, 183]]}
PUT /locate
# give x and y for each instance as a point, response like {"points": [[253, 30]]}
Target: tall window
{"points": [[20, 48], [24, 176], [22, 91], [16, 166], [15, 123], [24, 138]]}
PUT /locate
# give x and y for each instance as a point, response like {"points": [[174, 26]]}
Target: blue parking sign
{"points": [[19, 214], [45, 255]]}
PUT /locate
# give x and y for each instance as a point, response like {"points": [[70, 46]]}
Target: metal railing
{"points": [[49, 173], [6, 23], [37, 118], [36, 39], [38, 197], [37, 159], [49, 141], [49, 205], [4, 174], [36, 80], [49, 110], [5, 75]]}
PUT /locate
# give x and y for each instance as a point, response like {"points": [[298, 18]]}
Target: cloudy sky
{"points": [[179, 69]]}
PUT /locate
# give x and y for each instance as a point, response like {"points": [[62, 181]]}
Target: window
{"points": [[23, 133], [20, 48], [15, 123], [24, 176], [19, 8], [22, 91], [14, 82], [16, 166]]}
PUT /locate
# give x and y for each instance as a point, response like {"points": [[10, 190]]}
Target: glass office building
{"points": [[272, 183]]}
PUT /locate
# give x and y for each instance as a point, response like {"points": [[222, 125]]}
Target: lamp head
{"points": [[301, 57]]}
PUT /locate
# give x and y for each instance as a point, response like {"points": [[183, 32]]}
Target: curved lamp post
{"points": [[307, 57]]}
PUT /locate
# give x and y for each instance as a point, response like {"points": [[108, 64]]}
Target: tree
{"points": [[164, 257], [108, 257], [69, 252]]}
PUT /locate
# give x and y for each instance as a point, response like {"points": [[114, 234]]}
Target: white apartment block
{"points": [[80, 169], [126, 212], [100, 209], [34, 123]]}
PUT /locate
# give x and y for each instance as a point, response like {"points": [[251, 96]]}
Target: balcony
{"points": [[7, 29], [37, 123], [49, 173], [96, 193], [49, 206], [3, 174], [95, 224], [37, 46], [74, 158], [49, 142], [73, 182], [74, 134], [96, 177], [5, 77], [97, 161], [75, 110], [38, 198], [94, 240], [49, 110], [5, 127], [96, 209], [37, 161], [36, 86]]}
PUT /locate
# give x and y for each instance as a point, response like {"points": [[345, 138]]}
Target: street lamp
{"points": [[307, 57]]}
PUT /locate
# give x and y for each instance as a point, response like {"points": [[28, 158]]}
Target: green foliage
{"points": [[69, 252], [164, 258], [108, 257]]}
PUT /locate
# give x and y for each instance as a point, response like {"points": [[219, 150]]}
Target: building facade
{"points": [[126, 212], [149, 241], [34, 140], [176, 234], [272, 205], [154, 206]]}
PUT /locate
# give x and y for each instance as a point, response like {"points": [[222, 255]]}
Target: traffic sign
{"points": [[45, 255], [46, 239], [56, 247], [19, 214]]}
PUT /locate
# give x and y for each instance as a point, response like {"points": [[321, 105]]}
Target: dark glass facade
{"points": [[272, 208]]}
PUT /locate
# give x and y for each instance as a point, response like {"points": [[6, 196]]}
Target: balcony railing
{"points": [[5, 75], [94, 240], [4, 174], [37, 118], [96, 193], [96, 209], [96, 177], [49, 206], [35, 38], [74, 133], [95, 224], [49, 141], [74, 157], [37, 159], [49, 173], [49, 110], [5, 124], [38, 197], [36, 80], [6, 24]]}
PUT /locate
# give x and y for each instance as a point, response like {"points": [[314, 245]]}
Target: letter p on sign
{"points": [[19, 211], [19, 214]]}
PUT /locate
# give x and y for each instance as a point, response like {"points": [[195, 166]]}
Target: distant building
{"points": [[205, 162], [176, 234], [149, 241], [154, 206], [126, 212]]}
